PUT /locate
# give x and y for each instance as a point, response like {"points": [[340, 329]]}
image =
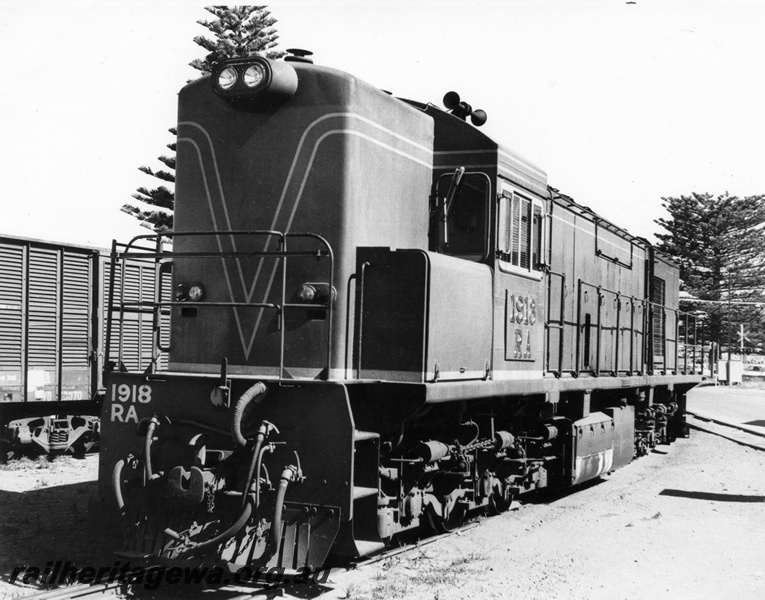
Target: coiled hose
{"points": [[256, 392]]}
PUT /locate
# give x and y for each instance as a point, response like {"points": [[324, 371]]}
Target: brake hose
{"points": [[254, 393]]}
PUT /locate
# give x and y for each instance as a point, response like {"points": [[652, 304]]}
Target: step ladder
{"points": [[365, 538]]}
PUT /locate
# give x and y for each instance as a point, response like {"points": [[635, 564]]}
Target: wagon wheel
{"points": [[447, 513]]}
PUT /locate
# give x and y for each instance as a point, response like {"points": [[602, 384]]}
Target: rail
{"points": [[136, 250], [110, 589], [721, 427]]}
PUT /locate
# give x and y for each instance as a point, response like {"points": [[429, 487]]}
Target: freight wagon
{"points": [[52, 340]]}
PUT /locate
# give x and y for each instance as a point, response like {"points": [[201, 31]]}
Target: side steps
{"points": [[360, 537]]}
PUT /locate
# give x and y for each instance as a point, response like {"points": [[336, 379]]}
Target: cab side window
{"points": [[521, 233], [461, 216]]}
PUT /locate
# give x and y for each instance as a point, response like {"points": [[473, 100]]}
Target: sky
{"points": [[620, 103]]}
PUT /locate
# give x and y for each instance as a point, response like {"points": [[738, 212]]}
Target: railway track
{"points": [[734, 432], [121, 589], [115, 589]]}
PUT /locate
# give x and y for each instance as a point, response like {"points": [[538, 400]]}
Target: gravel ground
{"points": [[687, 521]]}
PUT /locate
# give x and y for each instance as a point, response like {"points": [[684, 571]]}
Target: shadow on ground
{"points": [[44, 526], [714, 497]]}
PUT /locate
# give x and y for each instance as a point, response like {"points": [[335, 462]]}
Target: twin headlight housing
{"points": [[189, 293], [254, 79]]}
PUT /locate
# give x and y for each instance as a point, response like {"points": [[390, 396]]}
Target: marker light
{"points": [[181, 293], [254, 76], [196, 293], [317, 293], [227, 78], [307, 292]]}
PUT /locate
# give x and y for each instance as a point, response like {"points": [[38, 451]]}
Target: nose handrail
{"points": [[151, 248]]}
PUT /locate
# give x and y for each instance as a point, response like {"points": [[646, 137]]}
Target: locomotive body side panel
{"points": [[605, 292], [422, 317], [459, 320], [519, 280], [341, 159]]}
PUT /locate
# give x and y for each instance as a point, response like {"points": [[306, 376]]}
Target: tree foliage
{"points": [[237, 31], [719, 244]]}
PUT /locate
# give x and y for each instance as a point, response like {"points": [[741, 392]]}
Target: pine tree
{"points": [[719, 245], [238, 31]]}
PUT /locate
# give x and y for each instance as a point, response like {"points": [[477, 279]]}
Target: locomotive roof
{"points": [[456, 135], [586, 211]]}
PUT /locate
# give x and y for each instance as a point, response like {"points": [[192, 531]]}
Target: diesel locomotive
{"points": [[374, 318]]}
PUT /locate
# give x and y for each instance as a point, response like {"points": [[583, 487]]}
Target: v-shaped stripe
{"points": [[289, 200]]}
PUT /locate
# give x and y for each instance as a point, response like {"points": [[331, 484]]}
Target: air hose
{"points": [[117, 489], [153, 423], [276, 525], [263, 432], [117, 485], [256, 393]]}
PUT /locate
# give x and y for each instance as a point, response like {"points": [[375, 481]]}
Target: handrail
{"points": [[361, 314], [135, 250], [671, 343], [560, 325]]}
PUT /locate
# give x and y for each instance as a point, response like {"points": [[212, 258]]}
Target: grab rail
{"points": [[132, 251], [598, 338]]}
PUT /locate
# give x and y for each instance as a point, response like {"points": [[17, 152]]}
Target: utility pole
{"points": [[729, 321], [743, 337]]}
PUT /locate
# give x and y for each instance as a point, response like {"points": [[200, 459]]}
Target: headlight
{"points": [[196, 293], [254, 76], [227, 78], [254, 79]]}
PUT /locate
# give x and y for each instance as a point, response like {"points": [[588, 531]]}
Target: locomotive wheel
{"points": [[453, 510], [500, 498]]}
